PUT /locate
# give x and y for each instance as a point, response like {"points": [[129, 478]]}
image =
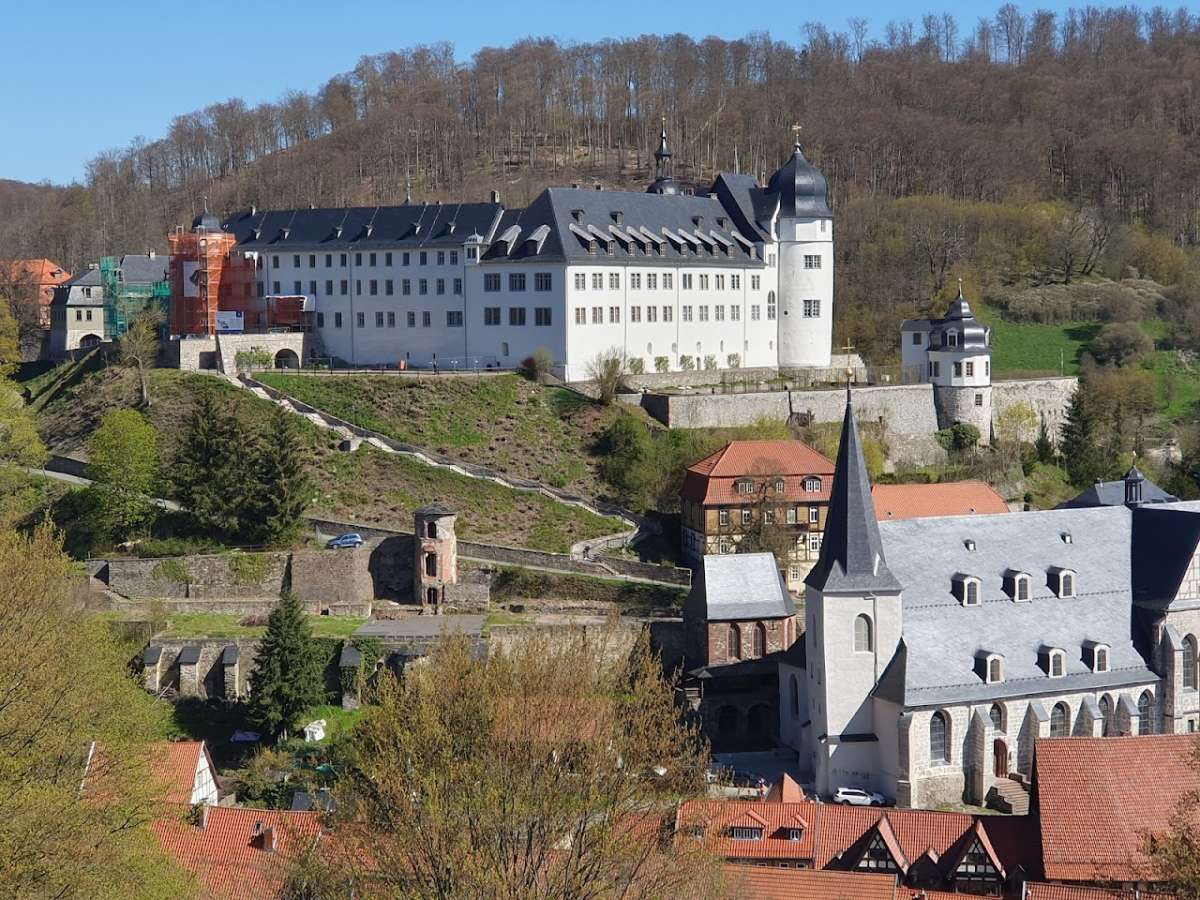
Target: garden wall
{"points": [[1047, 396]]}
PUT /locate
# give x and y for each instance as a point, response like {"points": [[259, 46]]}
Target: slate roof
{"points": [[390, 227], [801, 188], [738, 587], [942, 637], [894, 502], [1112, 493], [712, 479], [1107, 778], [136, 268], [852, 557], [973, 335]]}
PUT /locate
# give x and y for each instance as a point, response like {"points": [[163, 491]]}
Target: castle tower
{"points": [[805, 263], [960, 368], [853, 629], [664, 169], [436, 555]]}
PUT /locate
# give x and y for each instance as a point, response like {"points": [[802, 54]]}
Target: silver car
{"points": [[858, 797]]}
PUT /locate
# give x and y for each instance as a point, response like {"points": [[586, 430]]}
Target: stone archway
{"points": [[88, 341], [287, 359]]}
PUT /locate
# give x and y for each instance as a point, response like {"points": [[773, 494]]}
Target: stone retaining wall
{"points": [[1047, 396]]}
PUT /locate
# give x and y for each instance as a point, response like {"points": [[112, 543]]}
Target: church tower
{"points": [[853, 628], [805, 243]]}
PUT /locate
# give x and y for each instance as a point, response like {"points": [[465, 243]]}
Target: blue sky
{"points": [[79, 77]]}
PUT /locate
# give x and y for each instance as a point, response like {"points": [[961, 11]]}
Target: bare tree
{"points": [[138, 347], [607, 371]]}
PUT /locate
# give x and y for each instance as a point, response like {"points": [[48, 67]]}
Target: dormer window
{"points": [[1054, 661], [1095, 654], [952, 338], [1062, 582], [743, 833], [779, 485], [812, 485], [795, 834], [966, 590], [744, 486], [1018, 585], [989, 666], [577, 215], [696, 831]]}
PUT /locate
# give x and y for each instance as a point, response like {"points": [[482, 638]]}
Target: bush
{"points": [[170, 570], [710, 362], [607, 370], [687, 363], [959, 436], [538, 365], [1120, 343], [662, 364], [734, 360], [249, 568], [637, 366]]}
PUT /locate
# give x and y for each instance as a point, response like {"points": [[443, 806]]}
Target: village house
{"points": [[40, 276]]}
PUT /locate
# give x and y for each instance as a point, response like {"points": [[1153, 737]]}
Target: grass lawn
{"points": [[1028, 348], [225, 625], [1178, 383], [502, 421]]}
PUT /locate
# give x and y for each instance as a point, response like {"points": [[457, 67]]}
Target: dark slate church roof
{"points": [[1112, 493]]}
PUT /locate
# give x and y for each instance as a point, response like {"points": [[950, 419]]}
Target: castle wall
{"points": [[1048, 397], [972, 405]]}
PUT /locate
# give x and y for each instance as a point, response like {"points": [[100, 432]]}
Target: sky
{"points": [[78, 77]]}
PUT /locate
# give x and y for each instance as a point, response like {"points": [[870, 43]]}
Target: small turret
{"points": [[1134, 483], [664, 181]]}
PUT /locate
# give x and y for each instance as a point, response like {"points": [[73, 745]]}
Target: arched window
{"points": [[862, 634], [795, 684], [760, 640], [431, 564], [1060, 716], [939, 738], [1105, 713], [996, 714], [1146, 713], [995, 670], [1189, 662], [733, 648]]}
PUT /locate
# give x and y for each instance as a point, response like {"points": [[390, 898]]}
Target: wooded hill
{"points": [[1047, 145]]}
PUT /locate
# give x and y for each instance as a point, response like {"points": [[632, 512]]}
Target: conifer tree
{"points": [[283, 488], [1081, 453], [1043, 447], [212, 470], [287, 677]]}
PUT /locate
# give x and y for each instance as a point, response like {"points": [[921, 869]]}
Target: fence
{"points": [[833, 377]]}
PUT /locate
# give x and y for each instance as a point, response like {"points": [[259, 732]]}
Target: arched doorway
{"points": [[88, 341], [287, 359], [1000, 752]]}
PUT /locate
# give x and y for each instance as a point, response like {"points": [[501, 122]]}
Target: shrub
{"points": [[538, 365], [255, 358], [662, 364], [637, 366], [249, 568], [1120, 343], [734, 360], [607, 370], [959, 436], [710, 362], [170, 570], [687, 363]]}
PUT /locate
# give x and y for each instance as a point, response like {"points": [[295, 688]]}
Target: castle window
{"points": [[996, 714], [733, 639], [939, 738], [1056, 663], [1189, 663], [995, 669], [863, 639], [1146, 713], [1060, 716], [760, 640]]}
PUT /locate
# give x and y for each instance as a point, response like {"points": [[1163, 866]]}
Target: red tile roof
{"points": [[1038, 891], [787, 790], [227, 860], [711, 480], [950, 498], [768, 883], [1096, 803], [717, 816], [173, 764], [43, 272]]}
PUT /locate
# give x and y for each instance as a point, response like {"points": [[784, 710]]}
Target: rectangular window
{"points": [[472, 253], [516, 281], [635, 314], [937, 369], [704, 282], [719, 280], [614, 314], [580, 315], [411, 319], [755, 282], [979, 399], [426, 318], [652, 281], [391, 320], [668, 313], [597, 281], [454, 318], [337, 320], [542, 316], [374, 285], [635, 281], [746, 516], [441, 286], [687, 313], [542, 281], [329, 288], [275, 262], [342, 258], [312, 260], [360, 319], [458, 287], [516, 315], [814, 515], [687, 281], [320, 320], [958, 370], [722, 517], [812, 309], [423, 286], [312, 288], [358, 287], [389, 287], [405, 258], [704, 312], [406, 286], [614, 281], [424, 258], [387, 259], [735, 282], [372, 259], [651, 313], [668, 281], [916, 339], [791, 515], [970, 368], [580, 281], [719, 312], [770, 308], [296, 289], [441, 257], [491, 315], [597, 315], [296, 260], [344, 287], [378, 320], [491, 282], [454, 257], [814, 542], [812, 261], [358, 259], [735, 314]]}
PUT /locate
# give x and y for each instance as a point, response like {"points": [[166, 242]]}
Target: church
{"points": [[936, 651]]}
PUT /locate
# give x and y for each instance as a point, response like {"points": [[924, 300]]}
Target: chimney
{"points": [[495, 196], [269, 840], [150, 254], [203, 823]]}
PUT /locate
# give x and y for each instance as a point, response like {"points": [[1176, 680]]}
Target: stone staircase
{"points": [[1009, 796]]}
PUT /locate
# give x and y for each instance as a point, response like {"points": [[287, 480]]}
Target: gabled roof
{"points": [[713, 479], [786, 790], [173, 764], [1112, 493], [948, 498], [225, 856], [739, 587], [852, 557], [43, 272], [1129, 788]]}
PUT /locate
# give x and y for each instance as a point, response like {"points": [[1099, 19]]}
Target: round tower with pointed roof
{"points": [[959, 365], [804, 229]]}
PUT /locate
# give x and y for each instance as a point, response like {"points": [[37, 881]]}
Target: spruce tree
{"points": [[1082, 457], [212, 470], [283, 489], [1043, 447], [287, 677]]}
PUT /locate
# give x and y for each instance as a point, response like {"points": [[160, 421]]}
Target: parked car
{"points": [[858, 797], [347, 541]]}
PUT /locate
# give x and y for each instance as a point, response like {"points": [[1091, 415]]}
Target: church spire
{"points": [[851, 552], [664, 181]]}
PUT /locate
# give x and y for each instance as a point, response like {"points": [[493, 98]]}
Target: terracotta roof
{"points": [[717, 816], [711, 480], [786, 790], [227, 860], [174, 763], [1038, 891], [42, 271], [916, 830], [1107, 778], [922, 501], [769, 883]]}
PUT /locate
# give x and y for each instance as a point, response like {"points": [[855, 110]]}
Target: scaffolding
{"points": [[207, 276], [123, 301]]}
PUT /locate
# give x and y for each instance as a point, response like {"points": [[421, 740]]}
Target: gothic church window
{"points": [[939, 739], [1060, 716], [1146, 713], [863, 639], [996, 714], [1105, 714], [734, 643], [1189, 663], [760, 640]]}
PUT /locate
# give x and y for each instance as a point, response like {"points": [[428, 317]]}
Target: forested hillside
{"points": [[1027, 149]]}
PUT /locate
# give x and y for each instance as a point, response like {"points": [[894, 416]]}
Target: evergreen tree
{"points": [[1081, 453], [283, 489], [287, 677], [213, 471], [1043, 447]]}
